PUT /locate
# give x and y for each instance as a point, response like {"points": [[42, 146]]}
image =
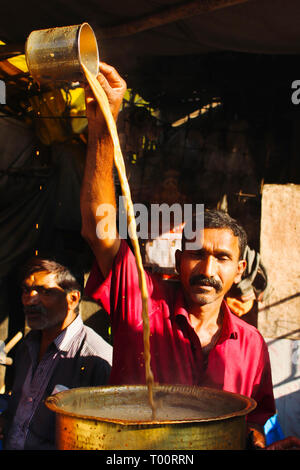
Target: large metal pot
{"points": [[97, 418]]}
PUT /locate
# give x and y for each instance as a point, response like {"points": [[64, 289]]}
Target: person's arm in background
{"points": [[98, 184], [289, 443], [257, 434]]}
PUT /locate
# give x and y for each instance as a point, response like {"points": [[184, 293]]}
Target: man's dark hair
{"points": [[63, 275], [220, 219]]}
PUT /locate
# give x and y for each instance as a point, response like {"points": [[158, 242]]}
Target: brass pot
{"points": [[96, 418]]}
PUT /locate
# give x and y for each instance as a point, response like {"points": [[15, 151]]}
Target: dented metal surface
{"points": [[218, 422]]}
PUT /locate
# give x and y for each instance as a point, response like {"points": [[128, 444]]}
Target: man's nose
{"points": [[208, 266], [31, 297]]}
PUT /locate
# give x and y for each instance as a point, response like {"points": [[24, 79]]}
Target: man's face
{"points": [[44, 301], [207, 273]]}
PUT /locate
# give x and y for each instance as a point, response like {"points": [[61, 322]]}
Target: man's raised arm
{"points": [[97, 190]]}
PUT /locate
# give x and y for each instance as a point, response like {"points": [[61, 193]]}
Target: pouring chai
{"points": [[120, 165]]}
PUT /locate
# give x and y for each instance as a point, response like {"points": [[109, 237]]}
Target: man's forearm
{"points": [[97, 190], [98, 183]]}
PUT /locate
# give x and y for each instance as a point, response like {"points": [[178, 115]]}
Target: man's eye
{"points": [[223, 258], [39, 289], [42, 290]]}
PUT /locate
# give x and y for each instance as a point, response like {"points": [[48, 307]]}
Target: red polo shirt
{"points": [[238, 363]]}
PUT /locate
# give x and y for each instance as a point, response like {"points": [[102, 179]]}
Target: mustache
{"points": [[206, 281], [37, 309]]}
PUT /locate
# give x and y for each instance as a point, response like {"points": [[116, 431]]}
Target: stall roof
{"points": [[143, 38], [173, 53], [165, 26], [128, 30]]}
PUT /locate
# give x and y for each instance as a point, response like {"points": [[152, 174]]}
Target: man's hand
{"points": [[258, 435], [114, 87], [290, 443]]}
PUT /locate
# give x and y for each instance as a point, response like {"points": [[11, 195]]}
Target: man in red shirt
{"points": [[194, 339]]}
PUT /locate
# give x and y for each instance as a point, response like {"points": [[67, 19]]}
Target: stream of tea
{"points": [[131, 223]]}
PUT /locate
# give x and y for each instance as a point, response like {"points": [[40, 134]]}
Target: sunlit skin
{"points": [[206, 275], [47, 306]]}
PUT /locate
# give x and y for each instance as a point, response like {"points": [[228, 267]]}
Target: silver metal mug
{"points": [[56, 54]]}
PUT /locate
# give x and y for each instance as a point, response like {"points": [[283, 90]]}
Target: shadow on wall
{"points": [[288, 410], [285, 364], [281, 301]]}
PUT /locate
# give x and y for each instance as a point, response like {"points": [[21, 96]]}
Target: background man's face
{"points": [[208, 273], [44, 301]]}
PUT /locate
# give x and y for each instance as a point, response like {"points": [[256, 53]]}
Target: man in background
{"points": [[59, 351]]}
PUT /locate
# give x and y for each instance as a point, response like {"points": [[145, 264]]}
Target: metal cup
{"points": [[56, 54]]}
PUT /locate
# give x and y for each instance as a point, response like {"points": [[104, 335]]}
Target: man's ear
{"points": [[241, 268], [178, 254], [73, 299]]}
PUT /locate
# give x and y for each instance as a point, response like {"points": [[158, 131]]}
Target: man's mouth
{"points": [[31, 312], [204, 284]]}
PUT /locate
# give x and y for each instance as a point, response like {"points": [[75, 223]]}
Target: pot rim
{"points": [[52, 402]]}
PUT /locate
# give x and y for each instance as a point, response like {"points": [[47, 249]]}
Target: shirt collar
{"points": [[229, 330], [64, 339], [180, 305], [62, 342]]}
